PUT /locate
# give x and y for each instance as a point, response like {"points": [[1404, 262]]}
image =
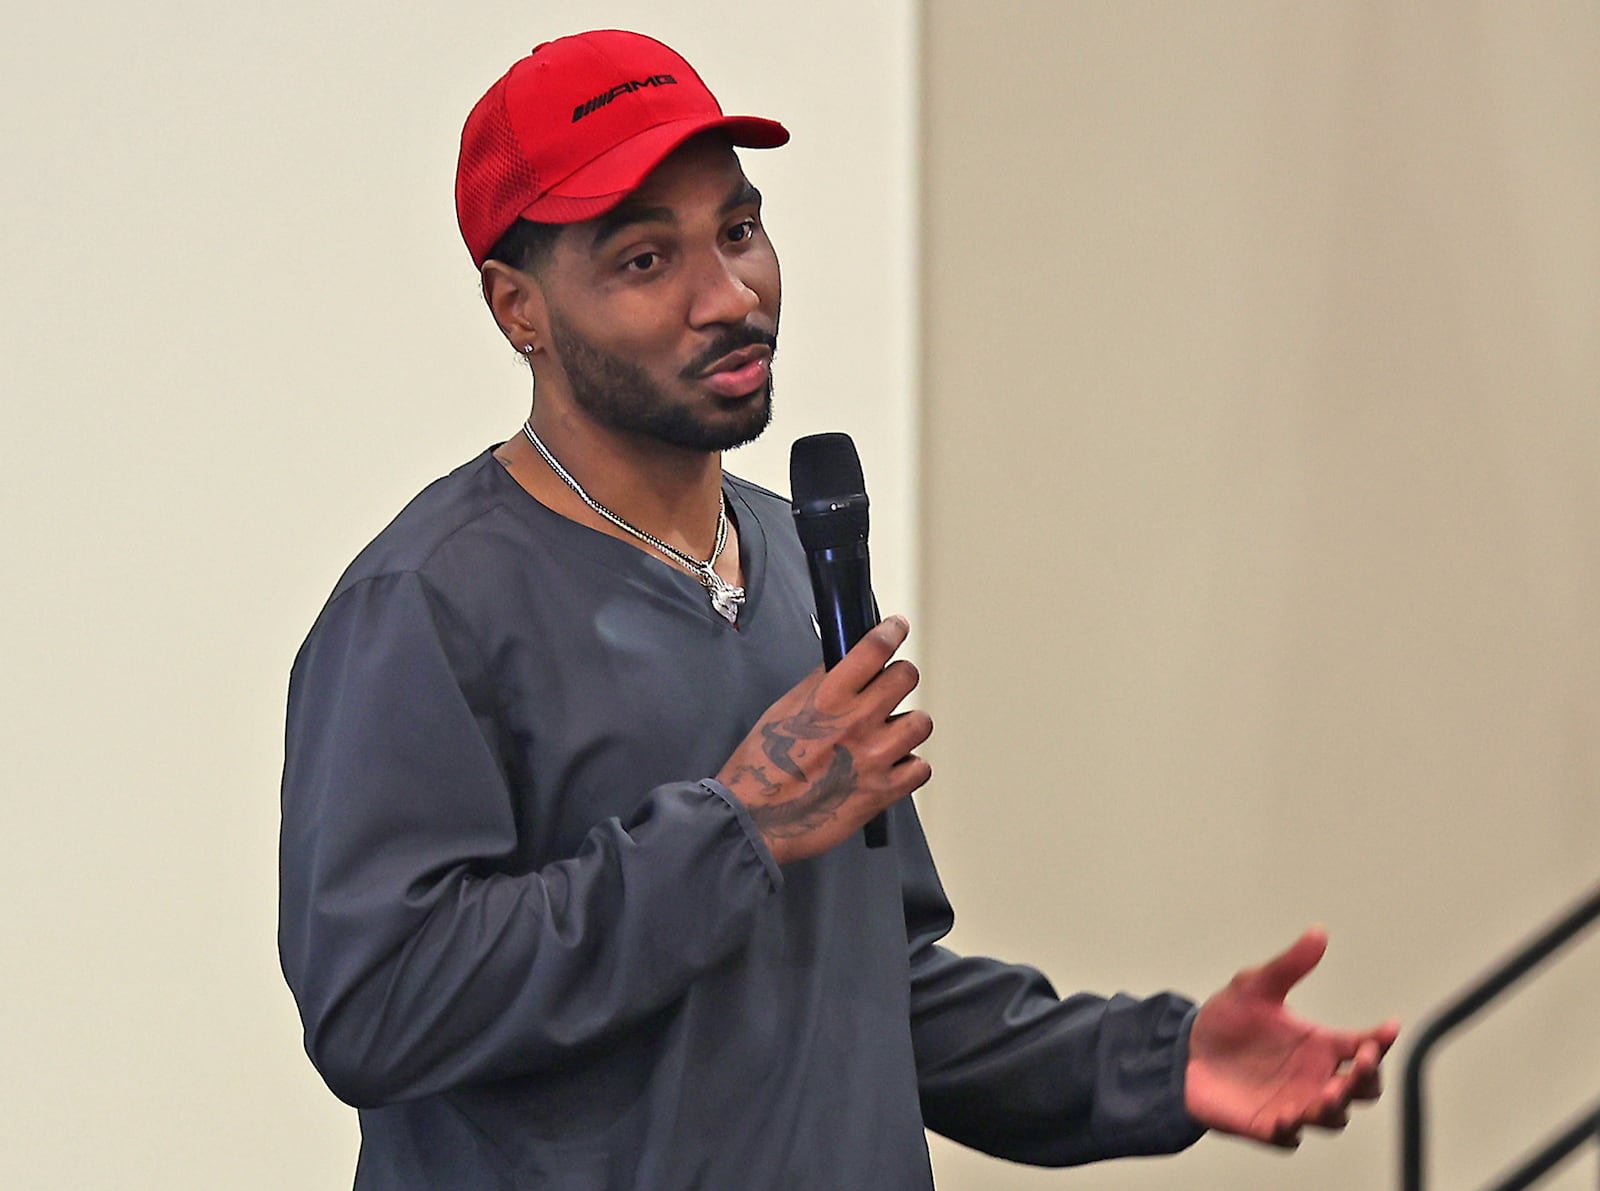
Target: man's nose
{"points": [[722, 294]]}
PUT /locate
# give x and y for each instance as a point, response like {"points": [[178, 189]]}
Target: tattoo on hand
{"points": [[797, 816], [757, 775], [779, 739]]}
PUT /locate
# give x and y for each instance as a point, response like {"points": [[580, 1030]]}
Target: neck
{"points": [[667, 491]]}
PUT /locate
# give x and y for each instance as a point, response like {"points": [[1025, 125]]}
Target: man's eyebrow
{"points": [[743, 195], [626, 215]]}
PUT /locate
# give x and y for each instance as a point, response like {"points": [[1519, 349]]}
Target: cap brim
{"points": [[593, 189]]}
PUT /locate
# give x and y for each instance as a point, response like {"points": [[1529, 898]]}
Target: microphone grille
{"points": [[824, 467]]}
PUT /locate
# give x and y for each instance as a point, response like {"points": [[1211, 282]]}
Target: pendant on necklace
{"points": [[725, 597]]}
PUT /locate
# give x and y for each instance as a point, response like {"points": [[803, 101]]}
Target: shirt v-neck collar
{"points": [[643, 567]]}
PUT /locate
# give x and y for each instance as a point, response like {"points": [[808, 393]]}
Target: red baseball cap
{"points": [[572, 129]]}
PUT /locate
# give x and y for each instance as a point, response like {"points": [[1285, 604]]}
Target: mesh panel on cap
{"points": [[501, 181]]}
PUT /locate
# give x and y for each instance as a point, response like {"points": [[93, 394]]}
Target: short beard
{"points": [[619, 395]]}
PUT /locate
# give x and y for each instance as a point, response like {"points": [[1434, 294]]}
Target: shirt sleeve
{"points": [[419, 957], [1006, 1066]]}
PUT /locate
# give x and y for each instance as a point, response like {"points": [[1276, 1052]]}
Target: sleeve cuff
{"points": [[1185, 1127], [1140, 1107], [752, 833]]}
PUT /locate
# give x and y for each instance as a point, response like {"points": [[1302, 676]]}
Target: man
{"points": [[573, 889]]}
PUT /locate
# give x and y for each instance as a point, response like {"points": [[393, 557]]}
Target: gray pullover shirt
{"points": [[538, 947]]}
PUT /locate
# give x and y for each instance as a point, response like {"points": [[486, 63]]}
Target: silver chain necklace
{"points": [[725, 597]]}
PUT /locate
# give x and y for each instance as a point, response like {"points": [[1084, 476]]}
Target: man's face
{"points": [[664, 312]]}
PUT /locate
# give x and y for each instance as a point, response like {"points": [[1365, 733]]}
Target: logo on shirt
{"points": [[815, 627]]}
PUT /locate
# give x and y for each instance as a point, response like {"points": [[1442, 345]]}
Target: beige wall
{"points": [[1271, 322], [239, 331], [1259, 536]]}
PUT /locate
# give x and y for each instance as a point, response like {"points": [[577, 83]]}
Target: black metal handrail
{"points": [[1546, 1157], [1456, 1014]]}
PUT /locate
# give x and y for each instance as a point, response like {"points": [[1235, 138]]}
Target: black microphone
{"points": [[830, 512]]}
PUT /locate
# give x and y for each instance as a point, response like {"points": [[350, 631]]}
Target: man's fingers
{"points": [[907, 732], [1365, 1081], [890, 686], [1363, 1055], [1356, 1080], [1330, 1110], [1332, 1114], [1367, 1087], [909, 775], [1350, 1045], [1286, 1134], [868, 656], [1278, 975]]}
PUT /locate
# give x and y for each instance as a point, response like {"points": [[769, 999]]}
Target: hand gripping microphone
{"points": [[830, 513]]}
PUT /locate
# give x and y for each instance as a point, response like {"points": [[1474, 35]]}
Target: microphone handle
{"points": [[841, 580]]}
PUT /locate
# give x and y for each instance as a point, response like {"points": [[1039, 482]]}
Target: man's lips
{"points": [[739, 373]]}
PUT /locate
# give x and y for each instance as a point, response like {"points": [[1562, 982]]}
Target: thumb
{"points": [[1278, 975]]}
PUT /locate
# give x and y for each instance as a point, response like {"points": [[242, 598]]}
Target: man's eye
{"points": [[743, 230], [642, 263]]}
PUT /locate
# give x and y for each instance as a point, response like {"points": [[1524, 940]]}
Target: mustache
{"points": [[729, 340]]}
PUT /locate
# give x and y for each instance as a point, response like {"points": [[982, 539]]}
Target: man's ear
{"points": [[516, 299]]}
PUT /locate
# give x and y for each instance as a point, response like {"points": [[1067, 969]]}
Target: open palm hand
{"points": [[1258, 1071]]}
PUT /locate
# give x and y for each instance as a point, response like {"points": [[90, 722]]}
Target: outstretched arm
{"points": [[1258, 1071], [1006, 1066]]}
